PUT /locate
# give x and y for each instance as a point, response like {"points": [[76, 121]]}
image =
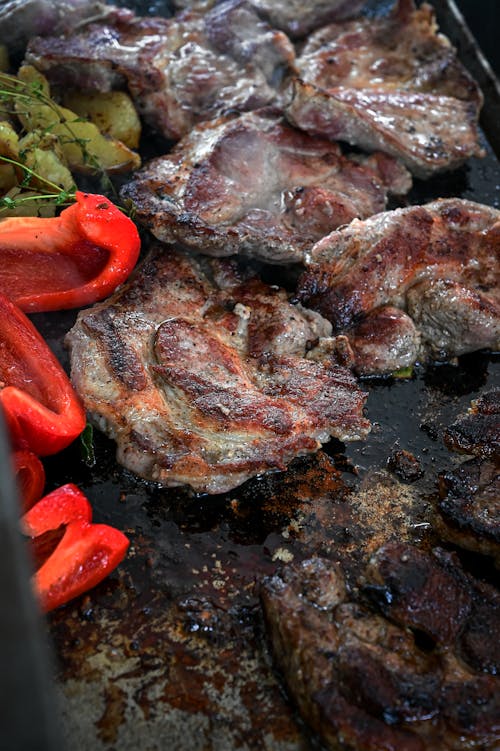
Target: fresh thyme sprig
{"points": [[53, 193], [17, 98]]}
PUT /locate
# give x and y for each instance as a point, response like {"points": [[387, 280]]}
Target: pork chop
{"points": [[436, 263], [358, 668], [256, 186], [392, 84], [205, 376], [297, 18], [179, 71], [469, 504]]}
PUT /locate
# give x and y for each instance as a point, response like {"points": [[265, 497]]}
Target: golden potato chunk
{"points": [[84, 147], [112, 111]]}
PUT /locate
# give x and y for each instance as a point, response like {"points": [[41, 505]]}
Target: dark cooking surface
{"points": [[170, 651]]}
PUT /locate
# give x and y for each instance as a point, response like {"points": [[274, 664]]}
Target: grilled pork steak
{"points": [[20, 20], [206, 377], [437, 263], [469, 505], [293, 16], [360, 675], [256, 186], [298, 18], [179, 71], [392, 84]]}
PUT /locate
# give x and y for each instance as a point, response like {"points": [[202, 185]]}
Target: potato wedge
{"points": [[112, 111], [47, 164], [9, 148], [9, 140], [84, 147]]}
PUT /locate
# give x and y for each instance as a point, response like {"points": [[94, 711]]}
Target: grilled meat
{"points": [[179, 71], [205, 377], [438, 263], [298, 18], [478, 432], [20, 20], [361, 676], [256, 186], [469, 505], [392, 84]]}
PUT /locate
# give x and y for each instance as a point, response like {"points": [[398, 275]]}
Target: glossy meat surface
{"points": [[437, 263], [298, 18], [358, 673], [206, 378], [253, 185], [20, 20], [469, 504], [392, 84], [179, 71]]}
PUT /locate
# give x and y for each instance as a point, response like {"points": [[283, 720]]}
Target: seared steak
{"points": [[392, 84], [361, 675], [179, 71], [256, 186], [298, 18], [478, 432], [20, 20], [438, 263], [206, 377], [469, 505]]}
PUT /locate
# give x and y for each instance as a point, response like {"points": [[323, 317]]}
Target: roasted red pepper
{"points": [[70, 260], [42, 410], [30, 477], [86, 553]]}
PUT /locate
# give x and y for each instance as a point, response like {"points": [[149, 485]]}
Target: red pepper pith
{"points": [[42, 410], [70, 260], [30, 477], [85, 555]]}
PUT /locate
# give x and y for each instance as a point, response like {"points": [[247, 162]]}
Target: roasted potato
{"points": [[113, 112], [43, 158], [9, 148], [83, 145]]}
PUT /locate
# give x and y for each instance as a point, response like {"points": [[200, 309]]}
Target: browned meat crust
{"points": [[392, 84], [256, 186], [179, 71], [361, 676], [478, 432], [469, 505], [20, 20], [205, 377], [298, 18], [438, 263]]}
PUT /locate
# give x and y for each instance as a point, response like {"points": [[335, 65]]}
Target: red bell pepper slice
{"points": [[70, 260], [86, 553], [62, 506], [30, 477], [42, 410]]}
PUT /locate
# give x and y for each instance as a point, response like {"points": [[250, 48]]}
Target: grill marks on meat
{"points": [[179, 71], [205, 377], [469, 505], [437, 264], [392, 84], [359, 673], [256, 186]]}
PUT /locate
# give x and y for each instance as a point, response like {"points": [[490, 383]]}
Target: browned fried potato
{"points": [[83, 145], [113, 112]]}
